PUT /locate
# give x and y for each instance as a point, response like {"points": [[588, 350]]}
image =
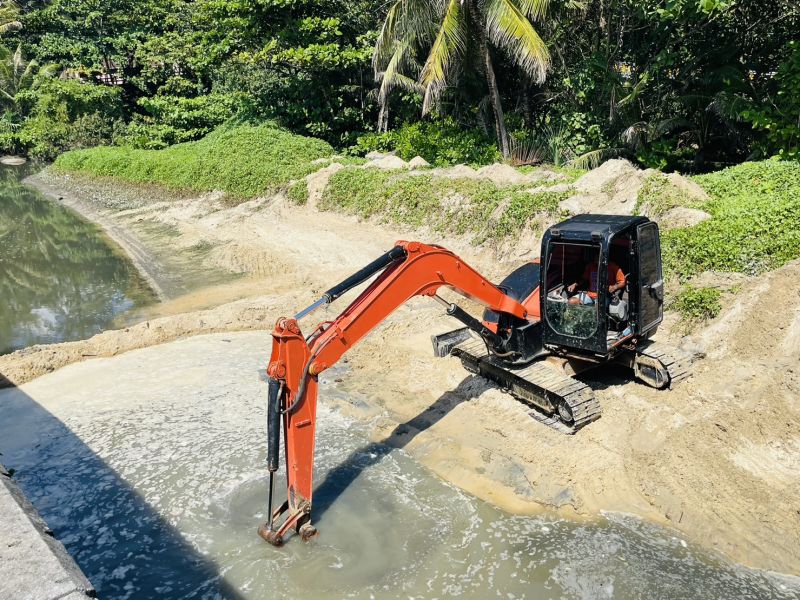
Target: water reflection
{"points": [[60, 277]]}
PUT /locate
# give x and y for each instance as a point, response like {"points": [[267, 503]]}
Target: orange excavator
{"points": [[547, 321]]}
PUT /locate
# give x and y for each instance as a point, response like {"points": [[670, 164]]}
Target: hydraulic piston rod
{"points": [[357, 278]]}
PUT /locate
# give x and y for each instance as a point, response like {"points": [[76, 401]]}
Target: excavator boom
{"points": [[409, 269]]}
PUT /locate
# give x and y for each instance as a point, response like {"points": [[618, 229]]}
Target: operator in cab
{"points": [[587, 286]]}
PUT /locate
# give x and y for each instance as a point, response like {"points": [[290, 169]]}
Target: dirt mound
{"points": [[612, 188], [388, 161], [687, 186], [682, 216], [318, 181], [500, 174]]}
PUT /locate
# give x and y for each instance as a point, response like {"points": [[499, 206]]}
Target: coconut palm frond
{"points": [[9, 11], [7, 26], [593, 159], [534, 9], [635, 135], [430, 99], [450, 41], [728, 106], [665, 126], [509, 28], [637, 89], [449, 44], [386, 37], [394, 75]]}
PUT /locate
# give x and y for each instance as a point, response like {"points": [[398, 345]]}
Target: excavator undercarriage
{"points": [[536, 333], [556, 398]]}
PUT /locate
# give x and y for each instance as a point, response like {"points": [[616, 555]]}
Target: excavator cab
{"points": [[579, 314]]}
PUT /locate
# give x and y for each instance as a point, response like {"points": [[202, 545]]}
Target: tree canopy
{"points": [[674, 84]]}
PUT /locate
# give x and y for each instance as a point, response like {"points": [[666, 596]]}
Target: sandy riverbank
{"points": [[716, 458]]}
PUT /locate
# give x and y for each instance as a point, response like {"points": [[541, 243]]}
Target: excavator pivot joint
{"points": [[270, 536]]}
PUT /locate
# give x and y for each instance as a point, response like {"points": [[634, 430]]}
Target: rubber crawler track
{"points": [[677, 362], [538, 386]]}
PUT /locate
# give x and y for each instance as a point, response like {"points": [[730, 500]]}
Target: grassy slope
{"points": [[755, 207], [755, 224], [242, 161], [447, 205]]}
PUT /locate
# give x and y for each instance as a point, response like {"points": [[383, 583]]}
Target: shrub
{"points": [[780, 118], [172, 120], [65, 114], [698, 303], [243, 161], [441, 143]]}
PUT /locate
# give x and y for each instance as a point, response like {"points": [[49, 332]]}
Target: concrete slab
{"points": [[33, 564]]}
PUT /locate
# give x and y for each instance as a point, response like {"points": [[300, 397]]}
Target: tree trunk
{"points": [[494, 96], [383, 117]]}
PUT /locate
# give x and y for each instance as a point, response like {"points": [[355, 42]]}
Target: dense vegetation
{"points": [[755, 224], [686, 84]]}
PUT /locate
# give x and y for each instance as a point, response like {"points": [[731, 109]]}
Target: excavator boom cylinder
{"points": [[357, 278]]}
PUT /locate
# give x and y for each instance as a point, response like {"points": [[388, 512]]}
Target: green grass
{"points": [[297, 192], [455, 206], [244, 161], [755, 224], [698, 303]]}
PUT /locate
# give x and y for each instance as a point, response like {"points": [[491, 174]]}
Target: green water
{"points": [[61, 278]]}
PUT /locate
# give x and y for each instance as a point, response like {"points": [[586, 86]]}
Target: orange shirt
{"points": [[615, 275]]}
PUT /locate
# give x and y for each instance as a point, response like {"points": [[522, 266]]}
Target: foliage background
{"points": [[692, 85]]}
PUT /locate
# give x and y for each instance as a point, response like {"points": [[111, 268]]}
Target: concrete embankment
{"points": [[34, 565]]}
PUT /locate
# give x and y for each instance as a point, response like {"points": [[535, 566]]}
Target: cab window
{"points": [[573, 284]]}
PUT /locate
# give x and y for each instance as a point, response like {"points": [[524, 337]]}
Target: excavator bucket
{"points": [[444, 343]]}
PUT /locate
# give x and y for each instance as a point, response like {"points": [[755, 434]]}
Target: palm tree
{"points": [[17, 75], [9, 13], [453, 36]]}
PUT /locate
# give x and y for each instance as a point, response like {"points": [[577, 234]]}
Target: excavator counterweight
{"points": [[535, 329]]}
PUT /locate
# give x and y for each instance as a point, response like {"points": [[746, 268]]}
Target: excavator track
{"points": [[676, 363], [537, 385]]}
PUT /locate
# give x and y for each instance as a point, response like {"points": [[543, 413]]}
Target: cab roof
{"points": [[593, 227]]}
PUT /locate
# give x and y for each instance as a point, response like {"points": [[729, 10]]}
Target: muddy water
{"points": [[149, 467], [61, 279]]}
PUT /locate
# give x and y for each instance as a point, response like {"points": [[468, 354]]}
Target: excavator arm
{"points": [[409, 269]]}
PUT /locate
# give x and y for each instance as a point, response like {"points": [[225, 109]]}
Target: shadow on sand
{"points": [[340, 477]]}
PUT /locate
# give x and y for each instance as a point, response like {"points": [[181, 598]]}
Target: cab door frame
{"points": [[650, 279]]}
